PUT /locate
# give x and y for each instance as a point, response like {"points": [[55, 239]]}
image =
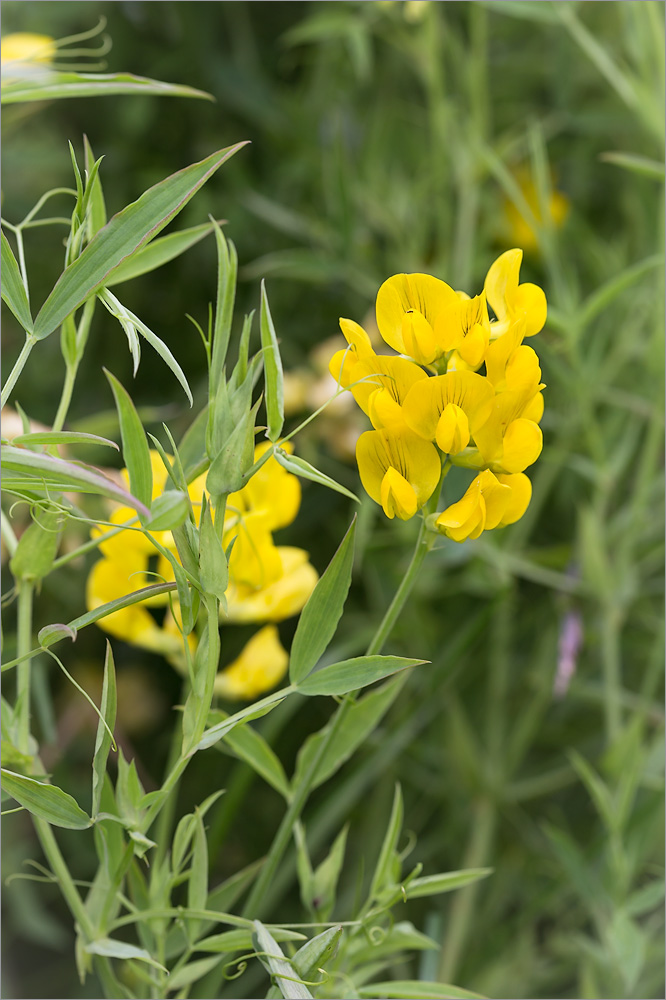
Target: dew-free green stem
{"points": [[66, 397], [24, 643], [30, 342]]}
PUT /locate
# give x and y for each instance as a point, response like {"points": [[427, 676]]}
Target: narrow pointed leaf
{"points": [[123, 235], [68, 475], [13, 289], [63, 437], [320, 616], [212, 560], [46, 801], [136, 452], [273, 370], [168, 511], [382, 874], [350, 675], [215, 733], [416, 989], [97, 210], [159, 252], [250, 746], [434, 885], [301, 468], [103, 741], [122, 950], [52, 85], [273, 959]]}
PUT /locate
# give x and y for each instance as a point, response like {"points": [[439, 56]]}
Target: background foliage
{"points": [[385, 138]]}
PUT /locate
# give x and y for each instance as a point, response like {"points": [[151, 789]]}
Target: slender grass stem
{"points": [[30, 342]]}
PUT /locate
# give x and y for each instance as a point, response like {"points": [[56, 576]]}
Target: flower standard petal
{"points": [[416, 460], [425, 403], [384, 389], [420, 296], [502, 281]]}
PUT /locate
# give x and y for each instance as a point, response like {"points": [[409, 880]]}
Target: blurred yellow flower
{"points": [[520, 231], [452, 412], [267, 582], [23, 47]]}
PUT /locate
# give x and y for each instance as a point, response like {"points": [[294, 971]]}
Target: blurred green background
{"points": [[391, 137]]}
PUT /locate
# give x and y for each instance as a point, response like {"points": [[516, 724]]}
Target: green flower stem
{"points": [[30, 342], [66, 396], [24, 643], [423, 545]]}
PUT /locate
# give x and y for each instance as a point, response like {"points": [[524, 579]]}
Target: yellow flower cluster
{"points": [[267, 582], [430, 402]]}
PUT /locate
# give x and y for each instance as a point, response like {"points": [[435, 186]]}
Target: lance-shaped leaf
{"points": [[38, 546], [168, 511], [46, 801], [273, 371], [416, 989], [433, 885], [246, 743], [227, 272], [273, 959], [214, 571], [299, 467], [67, 475], [123, 235], [215, 733], [63, 437], [385, 862], [97, 207], [316, 952], [51, 85], [320, 616], [13, 289], [349, 675], [103, 740], [136, 452], [159, 252], [122, 950]]}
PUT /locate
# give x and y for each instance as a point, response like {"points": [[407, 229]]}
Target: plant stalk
{"points": [[30, 342]]}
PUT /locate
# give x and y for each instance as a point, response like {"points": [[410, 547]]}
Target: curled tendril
{"points": [[240, 963], [8, 598], [409, 846], [376, 934]]}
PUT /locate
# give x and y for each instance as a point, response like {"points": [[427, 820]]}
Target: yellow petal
{"points": [[523, 368], [395, 376], [416, 460], [419, 295], [109, 580], [22, 46], [529, 300], [467, 517], [521, 494], [474, 345], [534, 409], [496, 496], [501, 349], [260, 667], [356, 337], [254, 559], [272, 491], [425, 402], [281, 599], [523, 442], [383, 409], [502, 281], [418, 338], [398, 496], [452, 432]]}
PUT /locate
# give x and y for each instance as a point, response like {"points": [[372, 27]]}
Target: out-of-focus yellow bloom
{"points": [[454, 412], [412, 10], [267, 582], [23, 47], [520, 231]]}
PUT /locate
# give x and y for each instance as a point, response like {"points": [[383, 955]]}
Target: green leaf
{"points": [[124, 234], [103, 740], [415, 989], [240, 940], [211, 736], [350, 675], [272, 369], [250, 746], [599, 792], [67, 475], [359, 721], [235, 457], [197, 884], [272, 958], [122, 950], [191, 972], [320, 616], [168, 511], [227, 273], [13, 289], [384, 874], [38, 546], [433, 885], [301, 468], [46, 801], [325, 878], [316, 952], [159, 252], [636, 164], [52, 85], [63, 437], [51, 634], [97, 206], [212, 560], [136, 453]]}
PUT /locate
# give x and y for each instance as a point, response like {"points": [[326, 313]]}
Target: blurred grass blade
{"points": [[68, 475], [159, 252], [124, 234], [273, 371], [320, 616], [51, 85], [273, 959], [136, 453], [13, 289], [301, 468], [433, 885], [48, 802], [103, 740], [350, 675], [637, 164], [416, 989]]}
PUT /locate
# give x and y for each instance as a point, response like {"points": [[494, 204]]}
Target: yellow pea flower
{"points": [[511, 300], [482, 507], [449, 408], [409, 310], [398, 469], [23, 47], [557, 210], [261, 665], [511, 439]]}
